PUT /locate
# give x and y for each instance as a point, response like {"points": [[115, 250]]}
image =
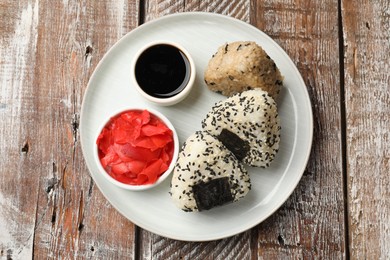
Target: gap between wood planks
{"points": [[137, 229], [343, 127]]}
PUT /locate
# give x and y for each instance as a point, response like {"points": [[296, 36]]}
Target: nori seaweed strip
{"points": [[213, 193], [234, 143]]}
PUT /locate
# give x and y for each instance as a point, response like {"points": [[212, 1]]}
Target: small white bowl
{"points": [[165, 101], [163, 176]]}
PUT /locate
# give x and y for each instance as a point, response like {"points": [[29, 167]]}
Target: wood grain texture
{"points": [[153, 246], [18, 185], [156, 247], [310, 225], [50, 207], [238, 8], [367, 101]]}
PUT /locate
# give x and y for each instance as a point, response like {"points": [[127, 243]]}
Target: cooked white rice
{"points": [[201, 160], [252, 116]]}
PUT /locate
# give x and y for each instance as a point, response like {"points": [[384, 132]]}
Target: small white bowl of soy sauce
{"points": [[163, 72]]}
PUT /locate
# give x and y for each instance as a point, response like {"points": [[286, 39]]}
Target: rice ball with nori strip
{"points": [[247, 124], [207, 175], [240, 66]]}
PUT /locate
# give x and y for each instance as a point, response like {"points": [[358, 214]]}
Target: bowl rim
{"points": [[162, 177], [179, 96]]}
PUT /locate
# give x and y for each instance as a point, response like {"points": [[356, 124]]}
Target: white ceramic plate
{"points": [[109, 89]]}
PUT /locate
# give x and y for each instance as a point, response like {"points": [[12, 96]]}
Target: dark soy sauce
{"points": [[162, 71]]}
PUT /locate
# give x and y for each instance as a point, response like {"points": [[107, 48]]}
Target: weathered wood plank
{"points": [[19, 181], [156, 247], [153, 246], [50, 206], [157, 8], [367, 102], [310, 225]]}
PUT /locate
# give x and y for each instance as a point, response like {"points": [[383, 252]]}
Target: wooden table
{"points": [[49, 205]]}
